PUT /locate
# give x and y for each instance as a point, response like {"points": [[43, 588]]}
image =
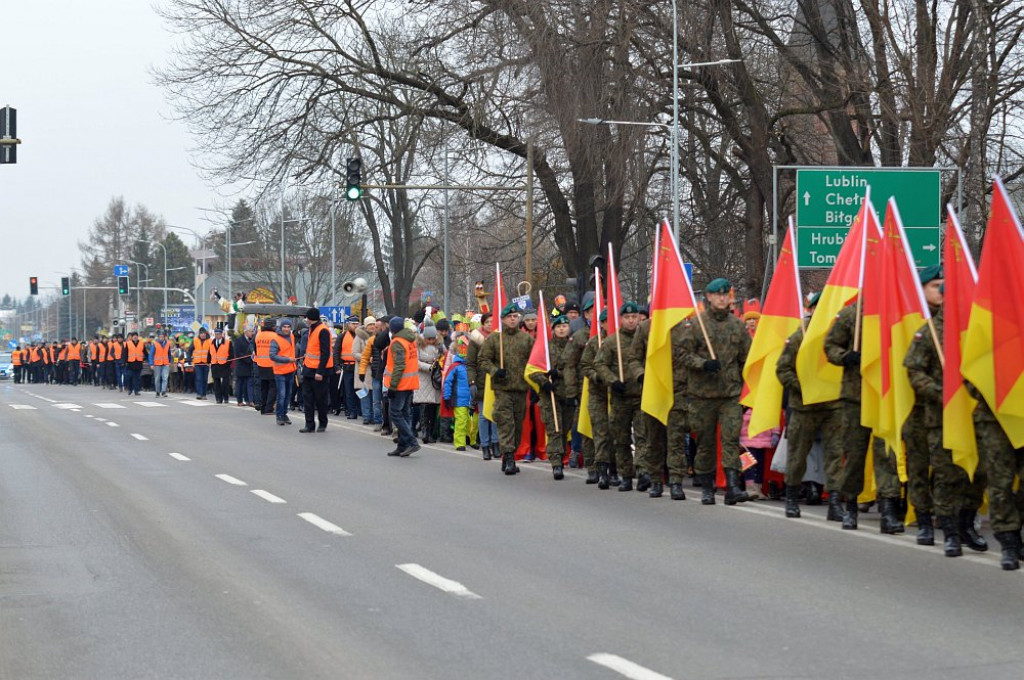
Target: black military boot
{"points": [[1010, 542], [613, 475], [850, 516], [969, 536], [734, 493], [707, 489], [626, 484], [603, 482], [951, 532], [926, 531], [487, 452], [792, 508], [675, 491], [643, 482], [889, 523], [510, 464], [835, 507], [814, 493], [504, 461], [592, 476], [557, 473], [657, 488]]}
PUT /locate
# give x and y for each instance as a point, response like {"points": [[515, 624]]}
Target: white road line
{"points": [[87, 415], [140, 437], [193, 403], [267, 496], [112, 424], [100, 420], [231, 480], [438, 581], [110, 405], [625, 667], [23, 407], [150, 404], [321, 523], [178, 456], [66, 406]]}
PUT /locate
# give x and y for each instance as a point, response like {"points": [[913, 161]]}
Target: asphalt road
{"points": [[179, 540]]}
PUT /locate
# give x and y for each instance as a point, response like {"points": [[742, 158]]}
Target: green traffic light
{"points": [[353, 193]]}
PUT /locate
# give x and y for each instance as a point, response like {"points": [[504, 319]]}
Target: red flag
{"points": [[614, 295], [500, 299], [540, 355]]}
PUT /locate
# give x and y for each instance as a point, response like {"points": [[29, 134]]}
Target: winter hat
{"points": [[443, 325], [284, 322], [313, 314], [429, 332], [396, 324], [530, 313], [369, 321]]}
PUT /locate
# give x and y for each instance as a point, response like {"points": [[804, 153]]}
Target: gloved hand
{"points": [[553, 374], [619, 387], [712, 366], [500, 374], [852, 358], [546, 387], [362, 377]]}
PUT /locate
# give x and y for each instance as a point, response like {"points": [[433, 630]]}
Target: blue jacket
{"points": [[457, 381]]}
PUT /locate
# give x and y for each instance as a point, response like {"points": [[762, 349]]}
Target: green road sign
{"points": [[828, 201]]}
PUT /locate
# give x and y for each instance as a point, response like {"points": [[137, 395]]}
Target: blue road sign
{"points": [[120, 270], [337, 315]]}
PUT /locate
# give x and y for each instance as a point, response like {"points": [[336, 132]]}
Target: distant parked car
{"points": [[6, 366]]}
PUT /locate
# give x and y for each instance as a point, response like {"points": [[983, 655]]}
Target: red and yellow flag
{"points": [[993, 350], [672, 300], [903, 311], [870, 342], [583, 424], [819, 380], [780, 317], [961, 277], [614, 294], [540, 355]]}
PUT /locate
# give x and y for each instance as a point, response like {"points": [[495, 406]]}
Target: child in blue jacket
{"points": [[457, 393]]}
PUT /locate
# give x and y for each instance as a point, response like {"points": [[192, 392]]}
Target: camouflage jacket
{"points": [[637, 359], [556, 350], [925, 373], [607, 362], [571, 356], [731, 341], [588, 364], [838, 344], [785, 370], [517, 347]]}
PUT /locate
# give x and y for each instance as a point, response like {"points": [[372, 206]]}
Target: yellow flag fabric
{"points": [[583, 425], [488, 399], [960, 280]]}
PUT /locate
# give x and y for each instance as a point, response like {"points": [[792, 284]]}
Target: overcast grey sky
{"points": [[92, 125]]}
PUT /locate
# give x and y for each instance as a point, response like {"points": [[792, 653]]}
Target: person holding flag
{"points": [[597, 407], [547, 377], [572, 357], [624, 411], [714, 350]]}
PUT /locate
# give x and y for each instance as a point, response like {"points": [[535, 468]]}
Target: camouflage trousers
{"points": [[665, 446], [624, 425], [556, 437], [919, 482], [598, 449], [952, 489], [706, 415], [801, 430], [856, 439], [1001, 463], [509, 414]]}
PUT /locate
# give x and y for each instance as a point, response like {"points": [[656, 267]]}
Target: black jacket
{"points": [[242, 347]]}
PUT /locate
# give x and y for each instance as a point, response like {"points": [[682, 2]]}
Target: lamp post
{"points": [[138, 288], [163, 316]]}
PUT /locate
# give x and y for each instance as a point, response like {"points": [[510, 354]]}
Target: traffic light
{"points": [[33, 285], [353, 178], [65, 285], [122, 285]]}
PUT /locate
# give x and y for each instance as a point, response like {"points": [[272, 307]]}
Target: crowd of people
{"points": [[467, 381]]}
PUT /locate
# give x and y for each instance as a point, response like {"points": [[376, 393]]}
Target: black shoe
{"points": [[614, 479], [460, 448], [308, 428], [626, 484], [1010, 542], [850, 516], [409, 451], [386, 432], [835, 507], [592, 476], [676, 492], [969, 536], [643, 482], [557, 472], [603, 482], [475, 447], [813, 493], [397, 452], [510, 464], [657, 488], [281, 422], [734, 493], [707, 489], [889, 523], [926, 530], [951, 532], [487, 453], [792, 508], [322, 428]]}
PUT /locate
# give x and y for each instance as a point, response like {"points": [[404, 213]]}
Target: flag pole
{"points": [[938, 345], [707, 340], [856, 325]]}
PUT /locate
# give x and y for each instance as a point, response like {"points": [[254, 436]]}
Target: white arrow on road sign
{"points": [[930, 246], [807, 198]]}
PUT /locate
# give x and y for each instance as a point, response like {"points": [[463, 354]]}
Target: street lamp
{"points": [[200, 241], [138, 288], [163, 316]]}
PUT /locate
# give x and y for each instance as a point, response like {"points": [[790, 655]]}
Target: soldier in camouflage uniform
{"points": [[573, 374], [624, 413], [955, 496], [555, 382], [713, 387], [840, 351], [597, 403], [508, 382], [805, 421]]}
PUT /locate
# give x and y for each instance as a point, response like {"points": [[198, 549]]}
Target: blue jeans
{"points": [[378, 397], [133, 380], [401, 417], [120, 374], [285, 385], [488, 430], [243, 389], [160, 378], [202, 379]]}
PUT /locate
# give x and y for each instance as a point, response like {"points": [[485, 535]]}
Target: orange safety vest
{"points": [[101, 352], [410, 380], [312, 359], [262, 343], [220, 354], [136, 351], [74, 352], [347, 340], [33, 355], [161, 353], [116, 351], [201, 351], [285, 348], [62, 355], [16, 357]]}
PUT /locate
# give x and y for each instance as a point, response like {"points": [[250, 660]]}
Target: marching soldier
{"points": [[508, 382], [571, 357], [805, 421], [954, 497], [556, 382], [714, 386], [597, 403], [840, 351], [624, 413]]}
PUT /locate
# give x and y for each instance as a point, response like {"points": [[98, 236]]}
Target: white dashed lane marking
{"points": [[321, 523], [65, 407], [150, 404], [140, 437], [440, 582], [112, 424], [23, 407], [267, 496], [231, 480], [178, 456], [110, 405], [626, 668]]}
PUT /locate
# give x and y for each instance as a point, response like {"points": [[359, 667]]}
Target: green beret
{"points": [[510, 308], [931, 273], [589, 304], [813, 301], [561, 318], [718, 286], [604, 315], [629, 308], [644, 310]]}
